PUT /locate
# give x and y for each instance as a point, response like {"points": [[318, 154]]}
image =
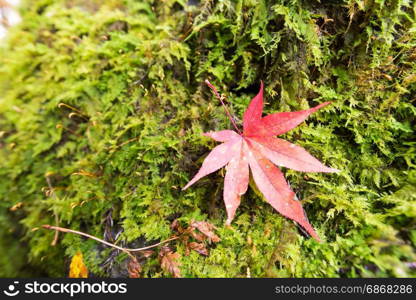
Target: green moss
{"points": [[133, 73]]}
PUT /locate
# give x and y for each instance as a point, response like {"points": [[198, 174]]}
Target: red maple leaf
{"points": [[257, 148]]}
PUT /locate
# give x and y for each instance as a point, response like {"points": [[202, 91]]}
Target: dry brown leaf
{"points": [[147, 253], [198, 247]]}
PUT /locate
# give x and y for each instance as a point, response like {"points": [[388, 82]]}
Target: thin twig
{"points": [[126, 250], [223, 104], [126, 142]]}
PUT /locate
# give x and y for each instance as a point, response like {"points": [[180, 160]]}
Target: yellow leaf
{"points": [[78, 269]]}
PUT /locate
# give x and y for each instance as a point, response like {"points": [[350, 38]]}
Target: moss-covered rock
{"points": [[102, 106]]}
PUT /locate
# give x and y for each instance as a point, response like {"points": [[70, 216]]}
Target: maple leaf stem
{"points": [[52, 193], [223, 104], [125, 250]]}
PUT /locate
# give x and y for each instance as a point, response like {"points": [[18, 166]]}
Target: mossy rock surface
{"points": [[103, 106]]}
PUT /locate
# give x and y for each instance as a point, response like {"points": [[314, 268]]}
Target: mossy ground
{"points": [[134, 72]]}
